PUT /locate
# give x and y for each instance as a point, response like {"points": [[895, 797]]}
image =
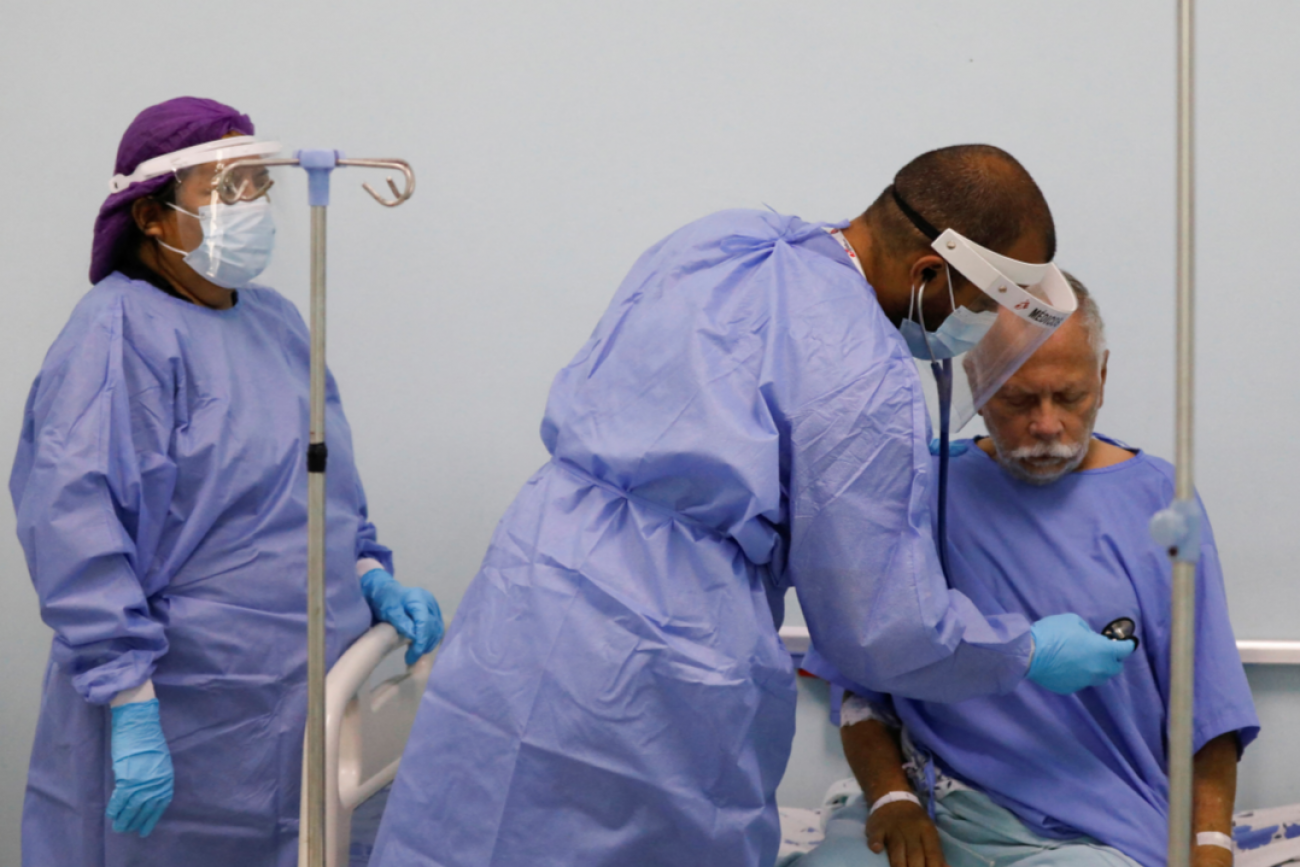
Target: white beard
{"points": [[1067, 458]]}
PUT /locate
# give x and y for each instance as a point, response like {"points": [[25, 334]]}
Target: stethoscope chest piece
{"points": [[1122, 629]]}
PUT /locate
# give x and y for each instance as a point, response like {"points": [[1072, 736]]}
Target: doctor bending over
{"points": [[745, 417], [1044, 518]]}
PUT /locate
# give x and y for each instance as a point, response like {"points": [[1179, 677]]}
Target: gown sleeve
{"points": [[862, 557], [91, 485], [368, 547]]}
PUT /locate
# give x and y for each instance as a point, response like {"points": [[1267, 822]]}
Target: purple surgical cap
{"points": [[159, 129]]}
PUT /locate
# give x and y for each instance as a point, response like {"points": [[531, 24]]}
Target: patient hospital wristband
{"points": [[855, 709], [891, 798], [1213, 838]]}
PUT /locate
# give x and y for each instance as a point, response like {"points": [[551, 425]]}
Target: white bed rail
{"points": [[365, 732], [1253, 652]]}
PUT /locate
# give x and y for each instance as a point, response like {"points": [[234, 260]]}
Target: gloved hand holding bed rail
{"points": [[412, 611]]}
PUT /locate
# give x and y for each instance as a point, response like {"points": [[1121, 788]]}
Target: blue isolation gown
{"points": [[1092, 763], [612, 690], [161, 494]]}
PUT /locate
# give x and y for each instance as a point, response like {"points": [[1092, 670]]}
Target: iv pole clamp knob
{"points": [[318, 164], [1177, 529]]}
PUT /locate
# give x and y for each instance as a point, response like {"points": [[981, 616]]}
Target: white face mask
{"points": [[237, 242], [959, 333]]}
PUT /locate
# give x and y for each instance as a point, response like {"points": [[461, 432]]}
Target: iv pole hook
{"points": [[399, 196]]}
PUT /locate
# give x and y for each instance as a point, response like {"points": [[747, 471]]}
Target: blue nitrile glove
{"points": [[1069, 656], [142, 767], [955, 449], [413, 611]]}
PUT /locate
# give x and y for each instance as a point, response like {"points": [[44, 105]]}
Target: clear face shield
{"points": [[227, 235], [1022, 305]]}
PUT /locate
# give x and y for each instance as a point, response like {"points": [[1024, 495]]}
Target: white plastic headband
{"points": [[209, 152], [1001, 279]]}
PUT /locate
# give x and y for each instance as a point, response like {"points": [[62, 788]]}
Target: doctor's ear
{"points": [[148, 214], [926, 269]]}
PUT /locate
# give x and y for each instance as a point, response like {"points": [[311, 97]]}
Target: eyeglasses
{"points": [[244, 183]]}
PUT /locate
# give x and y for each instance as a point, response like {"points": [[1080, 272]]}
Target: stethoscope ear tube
{"points": [[943, 380]]}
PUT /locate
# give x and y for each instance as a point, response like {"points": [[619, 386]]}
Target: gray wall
{"points": [[555, 141]]}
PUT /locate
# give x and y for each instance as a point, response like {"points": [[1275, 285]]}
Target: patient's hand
{"points": [[906, 832]]}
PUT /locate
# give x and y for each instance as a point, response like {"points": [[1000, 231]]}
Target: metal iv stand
{"points": [[1177, 528], [318, 165]]}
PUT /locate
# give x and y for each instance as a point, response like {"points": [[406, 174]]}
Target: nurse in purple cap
{"points": [[161, 496]]}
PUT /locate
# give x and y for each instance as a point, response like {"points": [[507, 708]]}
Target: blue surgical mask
{"points": [[237, 242], [959, 333]]}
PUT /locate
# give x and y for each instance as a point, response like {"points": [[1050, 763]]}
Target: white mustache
{"points": [[1057, 450]]}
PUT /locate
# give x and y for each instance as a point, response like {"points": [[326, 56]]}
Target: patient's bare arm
{"points": [[902, 828], [1214, 791]]}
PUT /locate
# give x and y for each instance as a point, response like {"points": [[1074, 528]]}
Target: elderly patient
{"points": [[1032, 777]]}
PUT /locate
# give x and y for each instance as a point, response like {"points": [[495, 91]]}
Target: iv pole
{"points": [[318, 164], [1177, 528]]}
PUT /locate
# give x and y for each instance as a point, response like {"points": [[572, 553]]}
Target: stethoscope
{"points": [[1122, 629]]}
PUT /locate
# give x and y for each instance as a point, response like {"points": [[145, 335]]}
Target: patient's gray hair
{"points": [[1089, 316]]}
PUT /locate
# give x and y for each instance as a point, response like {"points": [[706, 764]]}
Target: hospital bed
{"points": [[1265, 837], [371, 699]]}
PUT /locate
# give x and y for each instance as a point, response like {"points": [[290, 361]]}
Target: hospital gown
{"points": [[612, 690], [1092, 763], [161, 495]]}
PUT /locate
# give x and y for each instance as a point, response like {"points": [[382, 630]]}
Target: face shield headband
{"points": [[222, 150]]}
